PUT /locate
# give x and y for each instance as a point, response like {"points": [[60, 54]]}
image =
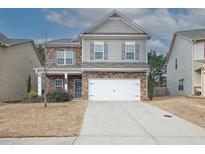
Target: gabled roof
{"points": [[194, 34], [5, 41], [116, 14], [191, 35], [63, 43]]}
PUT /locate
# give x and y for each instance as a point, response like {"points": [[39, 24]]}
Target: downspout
{"points": [[193, 42], [202, 80]]}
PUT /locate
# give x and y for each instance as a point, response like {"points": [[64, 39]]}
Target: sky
{"points": [[68, 23]]}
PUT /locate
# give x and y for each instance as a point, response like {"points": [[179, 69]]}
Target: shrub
{"points": [[36, 99], [32, 93], [57, 96], [150, 87], [28, 85]]}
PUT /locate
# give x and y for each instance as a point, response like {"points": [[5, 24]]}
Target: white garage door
{"points": [[114, 89]]}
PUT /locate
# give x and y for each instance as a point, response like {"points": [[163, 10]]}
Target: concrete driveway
{"points": [[135, 123]]}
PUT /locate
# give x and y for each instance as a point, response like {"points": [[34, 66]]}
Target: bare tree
{"points": [[47, 66]]}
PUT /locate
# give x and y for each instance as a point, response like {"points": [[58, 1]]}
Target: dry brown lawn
{"points": [[191, 109], [33, 120]]}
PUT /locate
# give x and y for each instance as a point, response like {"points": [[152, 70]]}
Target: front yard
{"points": [[191, 109], [33, 120]]}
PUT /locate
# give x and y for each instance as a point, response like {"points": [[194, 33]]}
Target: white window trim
{"points": [[101, 43], [129, 43], [64, 57], [57, 58], [58, 80]]}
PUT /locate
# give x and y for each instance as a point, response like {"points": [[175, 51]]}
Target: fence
{"points": [[160, 91]]}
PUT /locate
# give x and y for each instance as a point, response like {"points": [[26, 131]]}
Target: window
{"points": [[181, 85], [60, 57], [176, 64], [58, 83], [130, 51], [69, 57], [64, 57], [99, 50]]}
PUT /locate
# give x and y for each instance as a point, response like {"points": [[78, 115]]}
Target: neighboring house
{"points": [[17, 59], [107, 62], [186, 61]]}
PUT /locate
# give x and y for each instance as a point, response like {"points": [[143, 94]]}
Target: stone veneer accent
{"points": [[51, 50], [119, 75], [71, 79]]}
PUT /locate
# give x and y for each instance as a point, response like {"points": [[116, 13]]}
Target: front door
{"points": [[78, 88]]}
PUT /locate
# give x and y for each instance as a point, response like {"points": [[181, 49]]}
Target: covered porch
{"points": [[199, 78], [69, 81]]}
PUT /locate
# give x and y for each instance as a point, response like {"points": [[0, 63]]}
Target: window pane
{"points": [[99, 50], [98, 47], [69, 61], [60, 57], [60, 60], [58, 83], [98, 55], [60, 54], [130, 48], [130, 51], [69, 57], [69, 54], [130, 55]]}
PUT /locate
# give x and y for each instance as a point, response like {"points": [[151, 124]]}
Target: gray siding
{"points": [[182, 50], [199, 50], [114, 49], [16, 63], [114, 26]]}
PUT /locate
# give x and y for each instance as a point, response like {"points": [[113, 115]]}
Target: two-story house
{"points": [[18, 57], [108, 62], [186, 63]]}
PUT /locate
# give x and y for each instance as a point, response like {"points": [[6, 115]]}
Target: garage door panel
{"points": [[114, 89]]}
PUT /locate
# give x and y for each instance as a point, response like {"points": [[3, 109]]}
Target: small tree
{"points": [[41, 51], [28, 85], [150, 87]]}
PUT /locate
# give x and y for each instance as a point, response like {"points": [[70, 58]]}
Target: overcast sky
{"points": [[67, 23]]}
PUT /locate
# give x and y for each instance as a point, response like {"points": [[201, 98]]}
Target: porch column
{"points": [[66, 82], [39, 84]]}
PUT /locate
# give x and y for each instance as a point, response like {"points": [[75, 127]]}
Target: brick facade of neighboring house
{"points": [[50, 55], [115, 75]]}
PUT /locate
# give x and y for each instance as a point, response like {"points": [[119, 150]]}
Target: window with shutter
{"points": [[98, 50], [130, 51]]}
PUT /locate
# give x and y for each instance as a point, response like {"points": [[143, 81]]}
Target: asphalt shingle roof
{"points": [[61, 41], [67, 40], [11, 41], [195, 34]]}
